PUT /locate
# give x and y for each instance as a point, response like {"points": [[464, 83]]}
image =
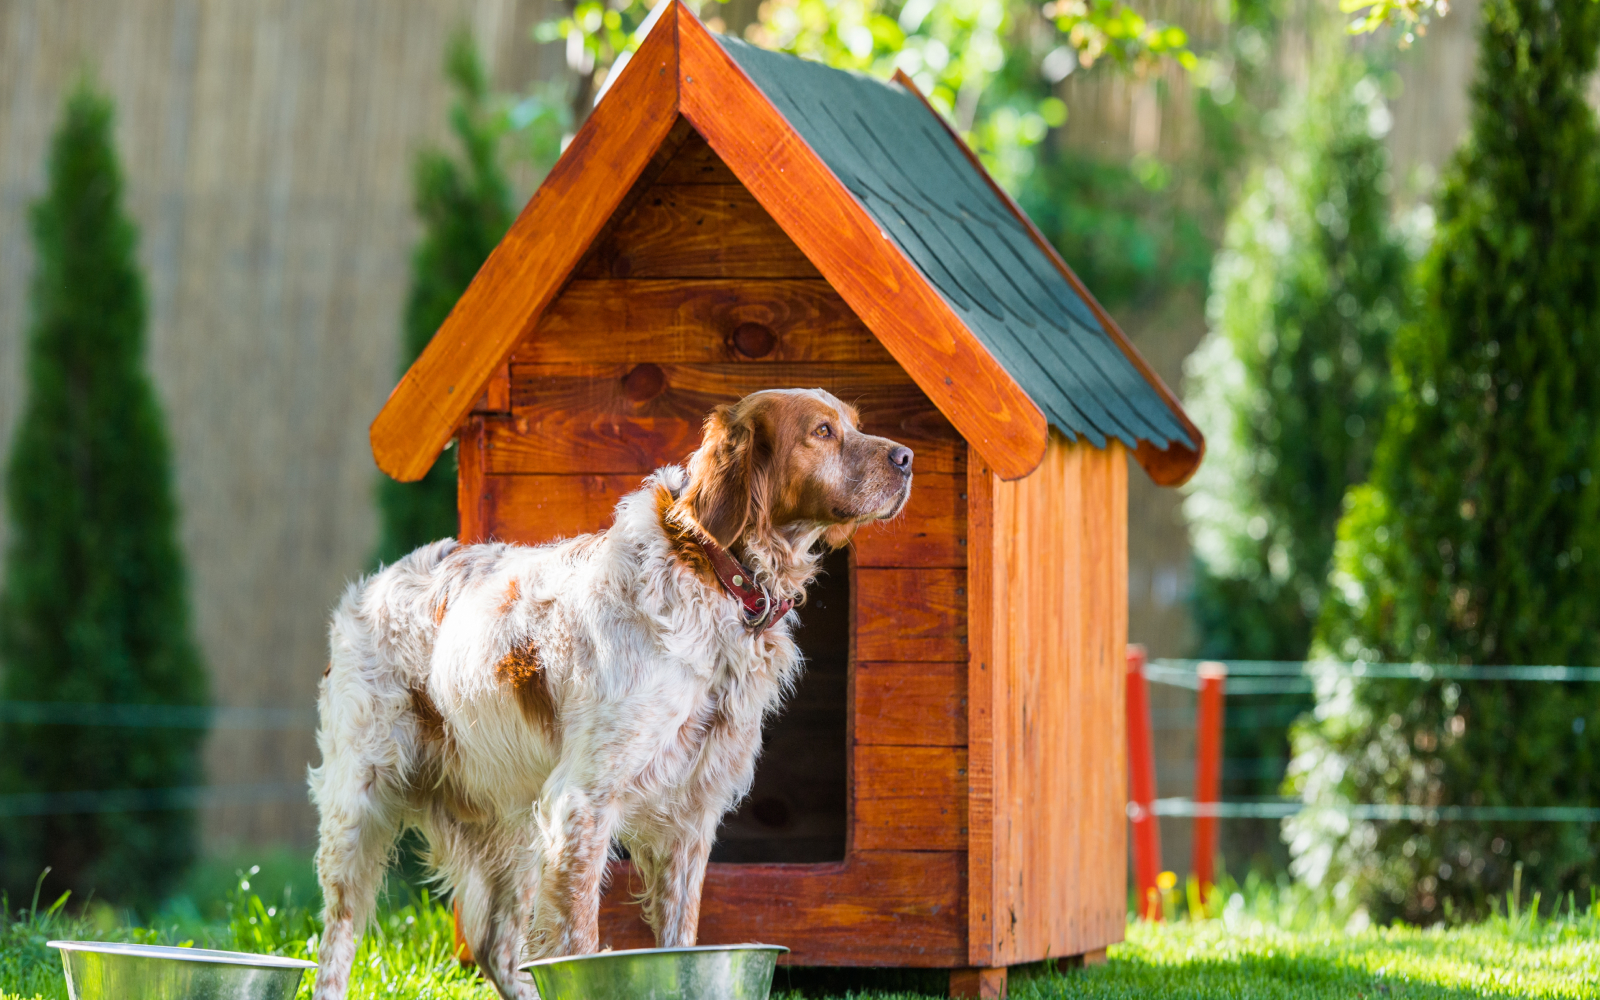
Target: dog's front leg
{"points": [[575, 838], [673, 890]]}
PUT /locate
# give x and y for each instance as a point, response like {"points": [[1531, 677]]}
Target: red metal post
{"points": [[1208, 769], [1142, 782]]}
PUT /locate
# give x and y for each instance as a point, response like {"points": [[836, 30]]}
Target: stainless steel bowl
{"points": [[107, 970], [709, 972]]}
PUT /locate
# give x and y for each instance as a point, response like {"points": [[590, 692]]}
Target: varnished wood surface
{"points": [[695, 231], [697, 163], [692, 321], [981, 671], [1047, 744], [911, 614], [931, 531], [496, 396], [474, 522], [911, 704], [878, 908], [580, 419], [533, 509], [909, 798], [978, 984], [884, 288], [526, 270]]}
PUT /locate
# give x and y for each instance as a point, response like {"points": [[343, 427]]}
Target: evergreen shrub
{"points": [[465, 206], [94, 607], [1477, 539]]}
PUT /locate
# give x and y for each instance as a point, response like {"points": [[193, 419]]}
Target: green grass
{"points": [[1276, 944], [1545, 958], [406, 953]]}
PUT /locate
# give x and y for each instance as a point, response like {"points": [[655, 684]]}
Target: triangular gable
{"points": [[681, 69]]}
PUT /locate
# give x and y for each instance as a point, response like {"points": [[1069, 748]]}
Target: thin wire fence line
{"points": [[1283, 808], [59, 713], [1158, 672], [1308, 669], [147, 799]]}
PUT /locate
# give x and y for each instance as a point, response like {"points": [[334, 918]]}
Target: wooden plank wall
{"points": [[693, 298], [1047, 748]]}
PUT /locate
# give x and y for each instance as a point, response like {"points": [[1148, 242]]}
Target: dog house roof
{"points": [[883, 198], [914, 178]]}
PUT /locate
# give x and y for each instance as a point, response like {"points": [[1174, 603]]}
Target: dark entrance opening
{"points": [[796, 809]]}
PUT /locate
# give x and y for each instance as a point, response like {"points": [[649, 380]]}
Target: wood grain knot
{"points": [[754, 340], [644, 383]]}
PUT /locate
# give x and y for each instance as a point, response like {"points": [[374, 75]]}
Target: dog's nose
{"points": [[900, 458]]}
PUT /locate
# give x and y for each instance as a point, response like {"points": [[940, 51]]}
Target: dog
{"points": [[526, 707]]}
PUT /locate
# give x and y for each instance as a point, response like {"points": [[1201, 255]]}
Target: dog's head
{"points": [[791, 463]]}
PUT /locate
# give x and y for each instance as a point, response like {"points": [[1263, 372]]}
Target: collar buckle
{"points": [[759, 613]]}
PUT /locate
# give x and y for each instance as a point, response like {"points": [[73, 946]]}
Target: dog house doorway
{"points": [[795, 812]]}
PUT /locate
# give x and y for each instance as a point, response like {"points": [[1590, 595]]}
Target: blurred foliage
{"points": [[1133, 230], [1122, 226], [1411, 16], [95, 608], [465, 204], [1476, 539], [988, 65], [1292, 381]]}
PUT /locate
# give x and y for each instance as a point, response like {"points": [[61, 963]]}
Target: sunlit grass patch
{"points": [[1241, 956], [408, 952], [1276, 944]]}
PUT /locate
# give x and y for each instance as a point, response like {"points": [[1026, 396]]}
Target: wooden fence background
{"points": [[268, 147]]}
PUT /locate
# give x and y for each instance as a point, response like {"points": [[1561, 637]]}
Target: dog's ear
{"points": [[719, 495]]}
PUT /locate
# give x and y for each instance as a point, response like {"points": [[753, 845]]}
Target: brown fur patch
{"points": [[460, 806], [684, 546], [522, 671], [430, 721], [439, 612], [512, 596]]}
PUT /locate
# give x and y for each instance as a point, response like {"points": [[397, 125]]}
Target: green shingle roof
{"points": [[908, 173]]}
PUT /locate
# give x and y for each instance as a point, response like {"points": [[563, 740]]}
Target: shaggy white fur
{"points": [[524, 708]]}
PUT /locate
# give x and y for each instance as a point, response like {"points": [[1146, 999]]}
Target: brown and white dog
{"points": [[524, 707]]}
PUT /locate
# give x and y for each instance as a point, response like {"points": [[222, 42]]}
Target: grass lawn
{"points": [[1255, 949]]}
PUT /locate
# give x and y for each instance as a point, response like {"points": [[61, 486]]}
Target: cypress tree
{"points": [[465, 206], [1477, 540], [94, 606]]}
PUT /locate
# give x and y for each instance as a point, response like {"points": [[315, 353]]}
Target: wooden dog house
{"points": [[948, 788]]}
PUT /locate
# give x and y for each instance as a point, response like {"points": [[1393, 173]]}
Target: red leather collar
{"points": [[759, 611]]}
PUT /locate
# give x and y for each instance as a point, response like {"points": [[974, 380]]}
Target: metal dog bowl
{"points": [[709, 972], [107, 970]]}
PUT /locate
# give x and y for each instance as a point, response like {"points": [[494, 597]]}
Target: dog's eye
{"points": [[825, 431]]}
